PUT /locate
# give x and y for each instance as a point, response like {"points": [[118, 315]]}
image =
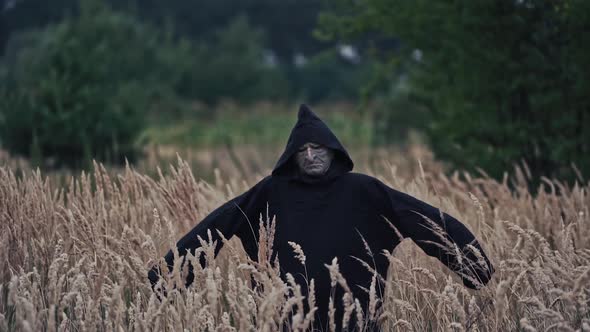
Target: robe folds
{"points": [[332, 216]]}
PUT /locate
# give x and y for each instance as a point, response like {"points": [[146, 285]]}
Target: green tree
{"points": [[231, 66], [79, 89], [287, 24], [209, 30], [503, 81], [328, 76]]}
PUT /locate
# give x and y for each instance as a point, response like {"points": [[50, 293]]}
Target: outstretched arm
{"points": [[232, 218], [441, 236]]}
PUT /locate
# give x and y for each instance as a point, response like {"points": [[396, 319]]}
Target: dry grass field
{"points": [[75, 250]]}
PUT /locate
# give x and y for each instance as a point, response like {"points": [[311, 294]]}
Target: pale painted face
{"points": [[314, 159]]}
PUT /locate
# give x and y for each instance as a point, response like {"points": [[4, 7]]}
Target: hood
{"points": [[310, 128]]}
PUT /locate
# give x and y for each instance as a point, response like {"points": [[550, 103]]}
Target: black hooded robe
{"points": [[326, 216]]}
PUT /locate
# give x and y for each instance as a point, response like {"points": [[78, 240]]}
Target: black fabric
{"points": [[326, 216], [309, 128]]}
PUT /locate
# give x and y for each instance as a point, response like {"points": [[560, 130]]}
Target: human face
{"points": [[314, 159]]}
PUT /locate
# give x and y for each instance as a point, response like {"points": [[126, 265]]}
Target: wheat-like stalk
{"points": [[75, 251]]}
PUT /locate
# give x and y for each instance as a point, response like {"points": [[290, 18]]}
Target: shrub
{"points": [[79, 89], [230, 66], [327, 76], [503, 81]]}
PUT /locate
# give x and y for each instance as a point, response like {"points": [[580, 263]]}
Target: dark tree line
{"points": [[499, 81], [288, 24], [79, 78]]}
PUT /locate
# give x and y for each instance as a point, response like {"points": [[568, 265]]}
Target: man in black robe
{"points": [[325, 208]]}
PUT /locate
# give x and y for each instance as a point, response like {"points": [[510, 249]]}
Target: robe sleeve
{"points": [[236, 217], [442, 236]]}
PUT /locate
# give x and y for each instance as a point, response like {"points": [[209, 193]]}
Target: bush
{"points": [[327, 76], [79, 89], [231, 66], [503, 81], [396, 115]]}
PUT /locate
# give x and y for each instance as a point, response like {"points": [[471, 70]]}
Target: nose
{"points": [[309, 155]]}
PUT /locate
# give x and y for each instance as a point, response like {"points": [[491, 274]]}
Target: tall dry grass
{"points": [[75, 256]]}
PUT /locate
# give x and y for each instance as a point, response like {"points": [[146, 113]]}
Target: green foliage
{"points": [[223, 44], [287, 24], [503, 81], [396, 115], [327, 76], [83, 88], [79, 89], [231, 67]]}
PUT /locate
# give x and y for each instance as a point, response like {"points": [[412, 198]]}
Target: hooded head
{"points": [[311, 129]]}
